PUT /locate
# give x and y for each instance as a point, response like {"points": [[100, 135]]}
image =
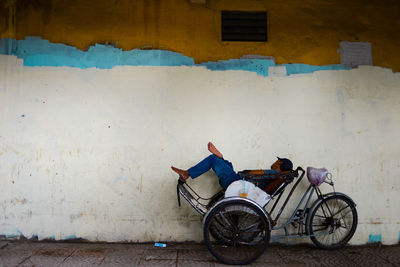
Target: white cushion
{"points": [[253, 192]]}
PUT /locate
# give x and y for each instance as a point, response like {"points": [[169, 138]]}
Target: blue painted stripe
{"points": [[11, 235], [304, 68], [255, 65], [38, 52], [70, 237], [375, 238]]}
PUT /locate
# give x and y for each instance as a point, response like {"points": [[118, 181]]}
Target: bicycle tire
{"points": [[241, 232], [332, 221]]}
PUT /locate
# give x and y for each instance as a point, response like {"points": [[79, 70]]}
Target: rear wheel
{"points": [[332, 222], [237, 231]]}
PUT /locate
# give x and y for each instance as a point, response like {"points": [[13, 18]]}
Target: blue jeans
{"points": [[222, 168]]}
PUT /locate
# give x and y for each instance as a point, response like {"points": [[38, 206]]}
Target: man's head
{"points": [[282, 165]]}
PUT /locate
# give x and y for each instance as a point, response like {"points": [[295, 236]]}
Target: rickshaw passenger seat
{"points": [[269, 183], [274, 185]]}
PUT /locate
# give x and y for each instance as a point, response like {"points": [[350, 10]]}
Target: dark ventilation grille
{"points": [[244, 26]]}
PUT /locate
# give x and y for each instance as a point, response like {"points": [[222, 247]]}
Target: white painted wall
{"points": [[87, 153]]}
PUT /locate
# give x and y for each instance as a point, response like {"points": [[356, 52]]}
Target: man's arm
{"points": [[253, 172], [259, 173]]}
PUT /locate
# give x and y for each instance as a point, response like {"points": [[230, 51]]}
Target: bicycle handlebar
{"points": [[295, 173]]}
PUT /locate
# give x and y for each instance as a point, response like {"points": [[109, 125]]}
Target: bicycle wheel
{"points": [[237, 231], [332, 221]]}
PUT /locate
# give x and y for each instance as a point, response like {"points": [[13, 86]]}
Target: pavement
{"points": [[28, 253]]}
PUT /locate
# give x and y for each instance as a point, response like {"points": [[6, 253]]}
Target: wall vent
{"points": [[244, 26]]}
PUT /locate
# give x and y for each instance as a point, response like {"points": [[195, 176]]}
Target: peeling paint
{"points": [[375, 238], [11, 235], [38, 52]]}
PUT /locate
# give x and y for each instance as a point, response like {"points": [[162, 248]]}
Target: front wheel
{"points": [[332, 221], [236, 231]]}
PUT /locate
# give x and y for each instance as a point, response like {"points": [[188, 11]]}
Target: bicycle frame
{"points": [[299, 215]]}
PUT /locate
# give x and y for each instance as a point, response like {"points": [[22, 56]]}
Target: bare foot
{"points": [[183, 175], [214, 150]]}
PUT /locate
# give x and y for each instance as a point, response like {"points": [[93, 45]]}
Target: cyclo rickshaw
{"points": [[237, 230]]}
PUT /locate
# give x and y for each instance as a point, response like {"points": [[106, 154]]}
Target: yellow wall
{"points": [[299, 31]]}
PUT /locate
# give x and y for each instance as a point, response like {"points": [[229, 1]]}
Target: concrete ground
{"points": [[89, 254]]}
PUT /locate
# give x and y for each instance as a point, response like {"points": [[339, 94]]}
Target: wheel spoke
{"points": [[227, 221], [344, 215], [320, 229], [342, 209], [223, 225], [256, 224]]}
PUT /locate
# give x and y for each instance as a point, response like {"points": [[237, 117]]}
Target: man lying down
{"points": [[231, 181]]}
